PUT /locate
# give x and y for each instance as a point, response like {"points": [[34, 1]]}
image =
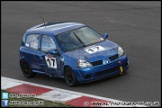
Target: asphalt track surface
{"points": [[136, 26]]}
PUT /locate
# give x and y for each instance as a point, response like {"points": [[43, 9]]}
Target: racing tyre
{"points": [[26, 70], [70, 77]]}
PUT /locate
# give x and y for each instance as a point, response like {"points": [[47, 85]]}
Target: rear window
{"points": [[32, 41]]}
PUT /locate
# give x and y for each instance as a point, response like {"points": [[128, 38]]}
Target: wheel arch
{"points": [[23, 59], [66, 66]]}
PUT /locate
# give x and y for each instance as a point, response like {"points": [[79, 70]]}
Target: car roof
{"points": [[54, 28]]}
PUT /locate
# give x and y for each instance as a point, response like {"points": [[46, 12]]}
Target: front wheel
{"points": [[26, 70], [70, 77]]}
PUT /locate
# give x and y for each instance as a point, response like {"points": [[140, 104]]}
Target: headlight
{"points": [[120, 51], [83, 63]]}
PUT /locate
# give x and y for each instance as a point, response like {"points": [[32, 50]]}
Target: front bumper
{"points": [[101, 71]]}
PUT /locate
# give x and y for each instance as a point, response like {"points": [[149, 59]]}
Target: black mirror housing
{"points": [[53, 52], [105, 35]]}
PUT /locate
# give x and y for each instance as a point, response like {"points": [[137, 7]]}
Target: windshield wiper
{"points": [[79, 39], [94, 43], [74, 48]]}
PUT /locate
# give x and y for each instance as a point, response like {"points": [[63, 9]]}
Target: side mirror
{"points": [[105, 35], [53, 52]]}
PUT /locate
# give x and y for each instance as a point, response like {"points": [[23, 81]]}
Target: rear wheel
{"points": [[26, 70], [70, 77]]}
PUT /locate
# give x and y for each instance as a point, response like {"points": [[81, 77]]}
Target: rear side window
{"points": [[47, 44], [32, 41]]}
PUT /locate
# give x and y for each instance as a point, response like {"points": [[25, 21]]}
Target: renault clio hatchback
{"points": [[72, 51]]}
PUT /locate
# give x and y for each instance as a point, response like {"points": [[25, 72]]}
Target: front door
{"points": [[49, 63]]}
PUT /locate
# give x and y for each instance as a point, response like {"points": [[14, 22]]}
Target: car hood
{"points": [[101, 50]]}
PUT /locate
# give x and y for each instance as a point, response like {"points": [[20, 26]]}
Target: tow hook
{"points": [[120, 67]]}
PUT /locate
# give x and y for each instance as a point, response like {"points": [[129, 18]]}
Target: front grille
{"points": [[99, 62], [106, 71], [113, 57]]}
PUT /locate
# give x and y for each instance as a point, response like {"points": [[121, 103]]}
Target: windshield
{"points": [[78, 38]]}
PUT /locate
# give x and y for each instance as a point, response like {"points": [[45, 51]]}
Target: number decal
{"points": [[94, 49], [51, 62]]}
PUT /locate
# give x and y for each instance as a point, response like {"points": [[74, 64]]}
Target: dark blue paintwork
{"points": [[36, 58]]}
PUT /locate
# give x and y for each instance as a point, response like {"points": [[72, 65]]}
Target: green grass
{"points": [[45, 103]]}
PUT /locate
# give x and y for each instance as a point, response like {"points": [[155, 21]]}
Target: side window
{"points": [[47, 43], [32, 41]]}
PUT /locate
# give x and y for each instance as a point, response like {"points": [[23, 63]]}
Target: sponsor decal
{"points": [[94, 49]]}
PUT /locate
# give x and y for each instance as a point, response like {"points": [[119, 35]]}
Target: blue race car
{"points": [[72, 51]]}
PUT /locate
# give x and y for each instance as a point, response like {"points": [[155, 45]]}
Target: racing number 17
{"points": [[51, 62]]}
